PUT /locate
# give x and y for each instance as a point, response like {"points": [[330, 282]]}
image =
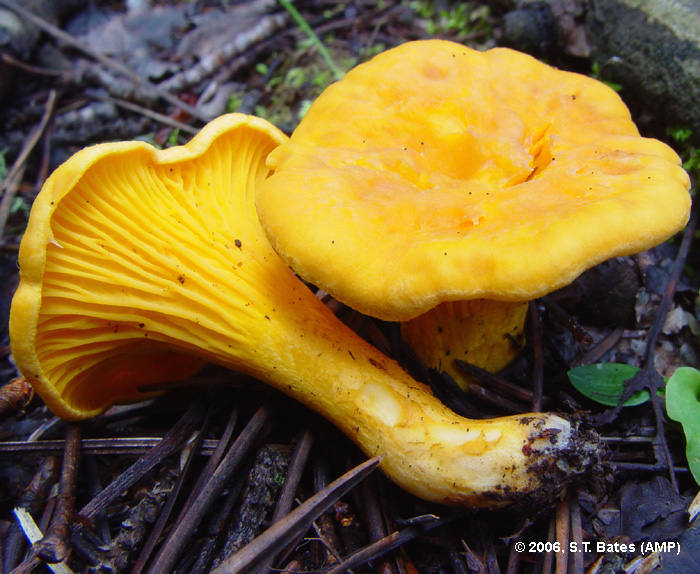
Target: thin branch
{"points": [[161, 118], [96, 446], [173, 440], [31, 501], [648, 377], [386, 544], [538, 359], [11, 182], [291, 483], [55, 547], [110, 63], [170, 551], [295, 523]]}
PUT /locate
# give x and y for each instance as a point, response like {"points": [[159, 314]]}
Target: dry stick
{"points": [[494, 398], [27, 566], [100, 523], [577, 537], [42, 172], [562, 528], [295, 523], [172, 547], [216, 456], [28, 68], [97, 446], [648, 372], [11, 183], [14, 396], [538, 359], [118, 67], [171, 442], [513, 556], [582, 336], [162, 118], [202, 479], [378, 523], [386, 544], [602, 347], [493, 381], [32, 500], [291, 483], [167, 508], [54, 547], [263, 28], [215, 527], [326, 537], [549, 557], [457, 557], [643, 467]]}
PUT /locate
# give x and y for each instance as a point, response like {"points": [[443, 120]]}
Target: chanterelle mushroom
{"points": [[435, 174], [138, 265]]}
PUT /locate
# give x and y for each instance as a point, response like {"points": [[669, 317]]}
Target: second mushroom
{"points": [[445, 187]]}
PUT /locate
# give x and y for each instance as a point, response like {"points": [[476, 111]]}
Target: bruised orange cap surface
{"points": [[435, 172]]}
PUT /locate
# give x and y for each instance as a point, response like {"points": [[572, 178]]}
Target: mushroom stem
{"points": [[483, 332], [148, 264]]}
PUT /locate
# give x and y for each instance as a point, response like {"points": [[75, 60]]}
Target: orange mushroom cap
{"points": [[438, 173]]}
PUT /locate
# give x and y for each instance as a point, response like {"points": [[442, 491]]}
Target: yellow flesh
{"points": [[437, 173], [138, 265]]}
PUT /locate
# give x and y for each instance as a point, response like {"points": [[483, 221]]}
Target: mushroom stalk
{"points": [[488, 334], [139, 266]]}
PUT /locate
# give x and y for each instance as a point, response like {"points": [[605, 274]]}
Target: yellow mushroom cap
{"points": [[114, 240], [438, 173]]}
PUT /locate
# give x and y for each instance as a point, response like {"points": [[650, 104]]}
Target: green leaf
{"points": [[605, 383], [683, 406]]}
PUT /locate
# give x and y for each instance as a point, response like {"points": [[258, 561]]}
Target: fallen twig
{"points": [[33, 534], [173, 440], [110, 63], [93, 446], [388, 543], [164, 514], [266, 26], [14, 176], [648, 377], [31, 501], [562, 522], [538, 357], [54, 547], [170, 551], [161, 118], [295, 523], [289, 488]]}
